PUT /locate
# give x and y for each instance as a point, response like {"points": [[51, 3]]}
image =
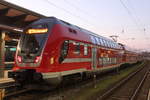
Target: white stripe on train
{"points": [[63, 73]]}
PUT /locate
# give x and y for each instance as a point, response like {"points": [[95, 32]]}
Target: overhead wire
{"points": [[143, 29], [79, 9], [67, 11], [130, 14], [134, 17], [137, 17]]}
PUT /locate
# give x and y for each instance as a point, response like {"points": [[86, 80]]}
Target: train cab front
{"points": [[29, 53]]}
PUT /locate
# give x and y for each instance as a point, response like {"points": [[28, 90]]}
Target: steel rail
{"points": [[121, 82], [139, 86], [17, 92]]}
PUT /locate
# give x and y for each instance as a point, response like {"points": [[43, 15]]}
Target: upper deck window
{"points": [[105, 44], [109, 44], [97, 40], [93, 39], [102, 42]]}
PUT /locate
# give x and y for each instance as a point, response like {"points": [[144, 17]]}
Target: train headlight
{"points": [[37, 59]]}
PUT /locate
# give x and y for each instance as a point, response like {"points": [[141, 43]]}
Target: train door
{"points": [[94, 58]]}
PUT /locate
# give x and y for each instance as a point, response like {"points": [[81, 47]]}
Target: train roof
{"points": [[128, 49], [95, 38]]}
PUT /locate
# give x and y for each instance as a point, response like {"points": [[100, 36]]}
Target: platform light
{"points": [[36, 31]]}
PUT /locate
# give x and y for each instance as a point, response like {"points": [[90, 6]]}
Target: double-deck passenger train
{"points": [[51, 49]]}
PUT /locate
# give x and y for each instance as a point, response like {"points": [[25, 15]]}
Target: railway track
{"points": [[13, 91], [144, 93], [16, 91], [131, 87]]}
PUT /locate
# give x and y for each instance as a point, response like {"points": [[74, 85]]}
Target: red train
{"points": [[51, 49]]}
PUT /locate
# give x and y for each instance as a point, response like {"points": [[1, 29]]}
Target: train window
{"points": [[97, 40], [103, 61], [114, 60], [106, 60], [113, 45], [116, 46], [77, 48], [64, 51], [100, 61], [106, 44], [85, 50], [109, 44], [93, 39], [109, 60], [102, 42]]}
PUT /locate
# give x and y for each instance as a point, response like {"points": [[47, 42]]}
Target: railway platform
{"points": [[5, 79], [148, 98]]}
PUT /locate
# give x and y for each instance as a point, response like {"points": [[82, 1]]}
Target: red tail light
{"points": [[37, 59], [19, 59]]}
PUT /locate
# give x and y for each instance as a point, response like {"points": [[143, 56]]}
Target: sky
{"points": [[127, 19]]}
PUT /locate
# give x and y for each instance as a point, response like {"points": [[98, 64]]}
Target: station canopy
{"points": [[14, 18]]}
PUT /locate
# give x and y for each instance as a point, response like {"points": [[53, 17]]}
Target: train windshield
{"points": [[33, 41]]}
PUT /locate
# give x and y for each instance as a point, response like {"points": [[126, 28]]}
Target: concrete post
{"points": [[2, 53]]}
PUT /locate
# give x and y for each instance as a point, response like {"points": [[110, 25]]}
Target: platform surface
{"points": [[148, 95], [6, 80]]}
